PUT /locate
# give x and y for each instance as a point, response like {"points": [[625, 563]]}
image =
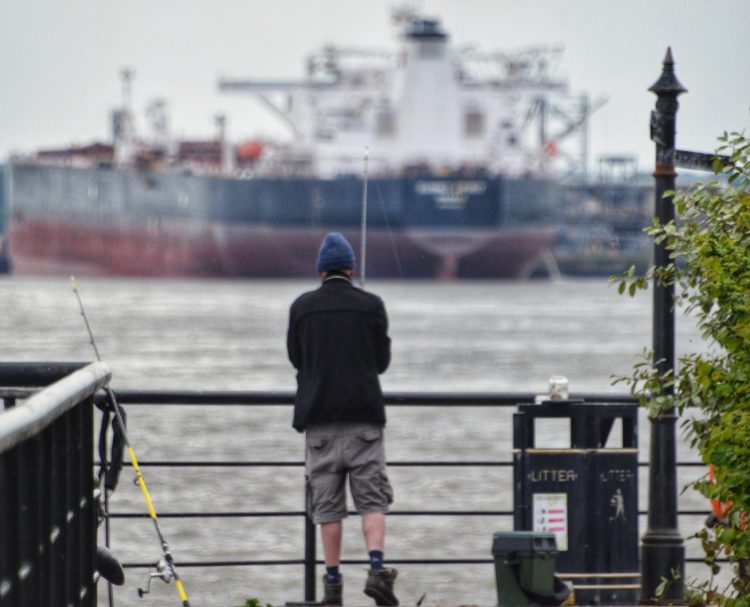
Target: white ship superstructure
{"points": [[428, 105]]}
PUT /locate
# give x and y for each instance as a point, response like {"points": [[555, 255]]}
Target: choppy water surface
{"points": [[230, 335]]}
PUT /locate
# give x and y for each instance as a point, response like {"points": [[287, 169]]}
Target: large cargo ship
{"points": [[429, 152]]}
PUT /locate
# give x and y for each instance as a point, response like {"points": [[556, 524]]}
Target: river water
{"points": [[230, 335]]}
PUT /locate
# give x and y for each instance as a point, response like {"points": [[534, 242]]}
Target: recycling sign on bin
{"points": [[550, 514]]}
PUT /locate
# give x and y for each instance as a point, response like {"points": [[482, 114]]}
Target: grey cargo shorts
{"points": [[335, 451]]}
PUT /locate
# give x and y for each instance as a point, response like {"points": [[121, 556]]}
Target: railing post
{"points": [[310, 554], [662, 548]]}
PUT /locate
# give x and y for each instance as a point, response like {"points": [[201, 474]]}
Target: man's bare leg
{"points": [[330, 534], [373, 528]]}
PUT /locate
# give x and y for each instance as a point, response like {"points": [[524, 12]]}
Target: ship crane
{"points": [[578, 125], [261, 90], [531, 68], [339, 73], [570, 115]]}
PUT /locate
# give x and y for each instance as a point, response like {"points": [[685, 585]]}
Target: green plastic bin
{"points": [[525, 569]]}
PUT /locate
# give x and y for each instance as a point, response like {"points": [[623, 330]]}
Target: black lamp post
{"points": [[662, 548]]}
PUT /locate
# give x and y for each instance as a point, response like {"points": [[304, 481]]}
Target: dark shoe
{"points": [[332, 592], [379, 586]]}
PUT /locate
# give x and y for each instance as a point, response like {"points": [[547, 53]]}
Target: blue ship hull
{"points": [[125, 222]]}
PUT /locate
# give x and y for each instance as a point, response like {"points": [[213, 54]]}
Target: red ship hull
{"points": [[184, 250]]}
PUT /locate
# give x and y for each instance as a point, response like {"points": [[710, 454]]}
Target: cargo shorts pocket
{"points": [[326, 498], [371, 493], [317, 451], [318, 444], [370, 487], [370, 435], [367, 447], [386, 488]]}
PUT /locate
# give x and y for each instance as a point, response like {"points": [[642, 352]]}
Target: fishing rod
{"points": [[165, 568], [363, 248]]}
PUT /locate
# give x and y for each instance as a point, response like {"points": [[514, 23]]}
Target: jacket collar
{"points": [[336, 279]]}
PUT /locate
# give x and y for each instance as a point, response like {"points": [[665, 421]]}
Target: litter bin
{"points": [[586, 494], [525, 569]]}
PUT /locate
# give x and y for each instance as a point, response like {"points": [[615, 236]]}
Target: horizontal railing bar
{"points": [[444, 399], [283, 464], [208, 464], [219, 563], [285, 513], [252, 563], [281, 513], [24, 374], [228, 514]]}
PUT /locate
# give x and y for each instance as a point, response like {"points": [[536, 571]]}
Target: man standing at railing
{"points": [[338, 342]]}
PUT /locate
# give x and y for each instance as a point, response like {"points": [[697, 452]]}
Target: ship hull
{"points": [[119, 223]]}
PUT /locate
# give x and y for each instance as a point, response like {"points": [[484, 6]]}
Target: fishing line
{"points": [[364, 225], [363, 249], [390, 231], [166, 568]]}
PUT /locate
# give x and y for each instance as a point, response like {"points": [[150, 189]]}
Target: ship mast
{"points": [[123, 121]]}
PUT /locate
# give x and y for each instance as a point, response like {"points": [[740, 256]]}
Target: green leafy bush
{"points": [[709, 247]]}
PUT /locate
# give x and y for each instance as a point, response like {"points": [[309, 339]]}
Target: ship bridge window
{"points": [[431, 50], [474, 123], [385, 124]]}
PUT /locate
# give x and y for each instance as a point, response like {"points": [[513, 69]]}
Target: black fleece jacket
{"points": [[338, 342]]}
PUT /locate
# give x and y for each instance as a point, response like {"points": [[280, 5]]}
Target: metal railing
{"points": [[48, 514], [278, 399], [47, 457]]}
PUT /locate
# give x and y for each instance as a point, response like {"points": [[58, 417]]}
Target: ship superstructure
{"points": [[426, 106]]}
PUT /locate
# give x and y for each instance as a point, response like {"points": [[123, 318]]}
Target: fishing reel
{"points": [[162, 571]]}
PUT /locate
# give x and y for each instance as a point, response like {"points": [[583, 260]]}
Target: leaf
{"points": [[661, 589]]}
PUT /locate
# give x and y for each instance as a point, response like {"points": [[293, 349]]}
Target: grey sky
{"points": [[60, 59]]}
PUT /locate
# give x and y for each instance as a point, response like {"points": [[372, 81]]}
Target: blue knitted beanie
{"points": [[335, 254]]}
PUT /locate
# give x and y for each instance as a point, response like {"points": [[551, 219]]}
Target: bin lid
{"points": [[505, 542]]}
